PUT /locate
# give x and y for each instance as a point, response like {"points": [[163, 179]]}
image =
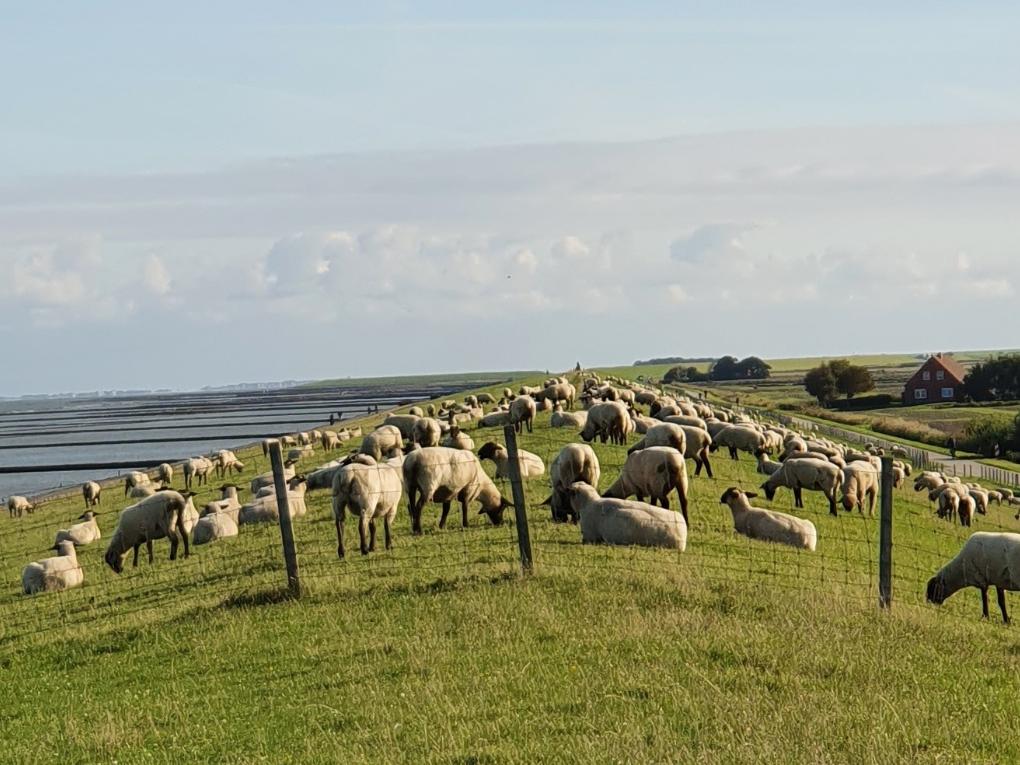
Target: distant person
{"points": [[952, 447], [331, 418]]}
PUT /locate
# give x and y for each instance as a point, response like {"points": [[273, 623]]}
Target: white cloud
{"points": [[570, 248], [155, 277], [711, 240]]}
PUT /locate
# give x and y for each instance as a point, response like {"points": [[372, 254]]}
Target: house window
{"points": [[940, 375], [920, 393], [947, 393], [926, 375]]}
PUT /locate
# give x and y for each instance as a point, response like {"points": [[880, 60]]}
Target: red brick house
{"points": [[940, 378]]}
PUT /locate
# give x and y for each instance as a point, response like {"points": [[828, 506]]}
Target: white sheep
{"points": [[608, 420], [765, 465], [330, 440], [427, 431], [860, 483], [225, 460], [737, 437], [265, 509], [531, 465], [662, 434], [458, 439], [197, 468], [403, 423], [166, 474], [135, 478], [811, 474], [562, 419], [768, 525], [17, 505], [369, 491], [214, 526], [652, 472], [155, 517], [384, 441], [522, 412], [987, 559], [441, 474], [495, 419], [228, 503], [61, 572], [575, 462], [91, 492], [79, 534], [263, 480], [625, 522]]}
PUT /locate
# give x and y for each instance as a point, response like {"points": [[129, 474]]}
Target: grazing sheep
{"points": [[531, 464], [575, 462], [18, 505], [197, 468], [403, 423], [652, 472], [427, 432], [225, 460], [369, 491], [995, 496], [860, 483], [265, 509], [166, 474], [80, 534], [608, 420], [625, 522], [662, 434], [441, 474], [522, 412], [683, 419], [155, 517], [965, 510], [486, 398], [91, 492], [61, 572], [135, 478], [737, 437], [768, 525], [458, 439], [642, 423], [981, 499], [811, 474], [765, 465], [560, 392], [699, 442], [329, 440], [384, 441], [987, 559], [416, 411]]}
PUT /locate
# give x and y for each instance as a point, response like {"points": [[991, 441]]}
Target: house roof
{"points": [[952, 367]]}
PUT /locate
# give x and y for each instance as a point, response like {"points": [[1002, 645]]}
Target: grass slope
{"points": [[438, 651]]}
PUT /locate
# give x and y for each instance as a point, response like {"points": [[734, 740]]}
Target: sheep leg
{"points": [[446, 512], [184, 534], [464, 513], [1000, 595], [148, 549], [134, 563], [363, 524], [371, 536], [387, 533], [683, 503], [339, 538], [708, 465], [984, 602], [733, 453], [797, 497]]}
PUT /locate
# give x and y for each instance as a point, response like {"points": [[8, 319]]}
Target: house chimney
{"points": [[938, 355]]}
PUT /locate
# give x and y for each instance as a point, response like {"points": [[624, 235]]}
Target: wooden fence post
{"points": [[520, 512], [286, 527], [885, 536]]}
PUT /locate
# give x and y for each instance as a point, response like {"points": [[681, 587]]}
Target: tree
{"points": [[994, 379], [752, 368], [851, 380], [724, 368], [821, 383], [684, 374]]}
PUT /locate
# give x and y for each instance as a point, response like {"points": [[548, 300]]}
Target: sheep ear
{"points": [[751, 494]]}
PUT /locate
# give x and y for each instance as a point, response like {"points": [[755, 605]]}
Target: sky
{"points": [[203, 194]]}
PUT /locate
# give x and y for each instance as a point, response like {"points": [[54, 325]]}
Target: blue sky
{"points": [[433, 169]]}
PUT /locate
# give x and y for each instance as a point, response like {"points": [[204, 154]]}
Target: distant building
{"points": [[940, 378]]}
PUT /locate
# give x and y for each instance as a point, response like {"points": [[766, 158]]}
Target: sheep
{"points": [[522, 412], [486, 398], [384, 441], [531, 465], [369, 491], [155, 517], [18, 505], [560, 391], [458, 439], [135, 478], [216, 525], [529, 390], [642, 422], [91, 492], [575, 462], [948, 496], [768, 525], [225, 460], [197, 468], [402, 422], [426, 432], [811, 474], [899, 451], [860, 482], [228, 503], [265, 509], [928, 481], [736, 437], [263, 480], [654, 472], [683, 419], [995, 496], [441, 474], [699, 442], [625, 522], [80, 534], [61, 572], [496, 419], [966, 509], [329, 440], [609, 420], [987, 559], [662, 434], [140, 492], [166, 474], [298, 454], [765, 465], [562, 419]]}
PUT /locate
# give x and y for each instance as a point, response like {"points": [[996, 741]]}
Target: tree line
{"points": [[724, 368]]}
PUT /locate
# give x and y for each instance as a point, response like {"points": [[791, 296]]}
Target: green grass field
{"points": [[440, 651]]}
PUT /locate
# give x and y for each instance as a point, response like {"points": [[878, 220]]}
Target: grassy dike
{"points": [[440, 651]]}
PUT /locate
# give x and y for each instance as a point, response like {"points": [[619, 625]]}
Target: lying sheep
{"points": [[298, 454], [263, 480], [17, 505], [166, 474], [91, 492], [228, 503], [522, 412], [811, 474], [61, 572], [860, 483], [653, 472], [384, 441], [135, 478], [140, 492], [562, 419], [212, 527], [458, 439], [768, 525], [265, 509], [155, 517], [986, 560], [531, 465], [441, 474], [426, 432], [575, 462], [80, 534], [369, 491], [499, 418], [625, 522]]}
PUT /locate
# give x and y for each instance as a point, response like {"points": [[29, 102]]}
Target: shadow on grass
{"points": [[261, 598]]}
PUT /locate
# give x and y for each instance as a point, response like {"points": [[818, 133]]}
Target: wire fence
{"points": [[521, 534]]}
